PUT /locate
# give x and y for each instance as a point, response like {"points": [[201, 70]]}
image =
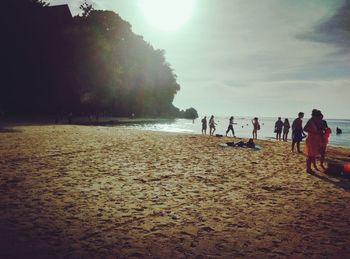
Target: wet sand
{"points": [[100, 192]]}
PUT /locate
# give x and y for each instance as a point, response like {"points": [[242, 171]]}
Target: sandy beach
{"points": [[109, 192]]}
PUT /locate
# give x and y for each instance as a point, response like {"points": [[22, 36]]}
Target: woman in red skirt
{"points": [[314, 140]]}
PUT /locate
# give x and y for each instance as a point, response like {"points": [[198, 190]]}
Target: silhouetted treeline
{"points": [[54, 63]]}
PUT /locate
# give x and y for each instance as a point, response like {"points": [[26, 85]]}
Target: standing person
{"points": [[297, 131], [326, 133], [204, 125], [230, 127], [212, 125], [278, 128], [286, 127], [256, 127], [314, 139]]}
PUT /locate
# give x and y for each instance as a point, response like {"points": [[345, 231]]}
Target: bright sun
{"points": [[167, 15]]}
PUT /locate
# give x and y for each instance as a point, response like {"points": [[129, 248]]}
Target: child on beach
{"points": [[256, 127], [314, 139], [297, 131], [212, 125], [286, 127], [204, 125], [230, 127]]}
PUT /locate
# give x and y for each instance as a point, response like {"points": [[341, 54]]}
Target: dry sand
{"points": [[96, 192]]}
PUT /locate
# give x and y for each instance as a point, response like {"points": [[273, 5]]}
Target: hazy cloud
{"points": [[334, 30]]}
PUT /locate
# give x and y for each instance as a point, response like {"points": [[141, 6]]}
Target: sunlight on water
{"points": [[243, 128]]}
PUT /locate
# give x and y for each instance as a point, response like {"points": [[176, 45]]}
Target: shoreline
{"points": [[124, 121]]}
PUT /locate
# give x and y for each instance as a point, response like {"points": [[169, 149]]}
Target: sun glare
{"points": [[167, 15]]}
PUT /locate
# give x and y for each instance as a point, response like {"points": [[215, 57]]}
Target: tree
{"points": [[86, 8], [191, 113], [86, 64]]}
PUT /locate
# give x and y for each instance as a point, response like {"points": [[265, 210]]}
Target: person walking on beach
{"points": [[278, 128], [314, 139], [212, 125], [256, 127], [286, 127], [297, 131], [230, 127], [204, 125], [326, 134]]}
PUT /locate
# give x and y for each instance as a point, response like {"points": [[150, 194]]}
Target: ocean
{"points": [[243, 128]]}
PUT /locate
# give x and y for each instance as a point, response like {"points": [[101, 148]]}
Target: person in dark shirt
{"points": [[204, 125], [297, 131], [250, 143], [278, 128], [286, 127], [230, 127]]}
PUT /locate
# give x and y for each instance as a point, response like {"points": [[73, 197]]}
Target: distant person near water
{"points": [[212, 125], [278, 128], [230, 127], [314, 139], [297, 131], [256, 127], [204, 125], [339, 131], [326, 134], [286, 127]]}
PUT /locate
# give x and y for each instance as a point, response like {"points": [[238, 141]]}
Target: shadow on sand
{"points": [[340, 182]]}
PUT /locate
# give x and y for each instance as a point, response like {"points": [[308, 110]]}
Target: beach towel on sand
{"points": [[225, 145]]}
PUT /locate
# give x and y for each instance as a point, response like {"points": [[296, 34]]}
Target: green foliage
{"points": [[86, 8], [190, 113], [41, 3], [89, 63]]}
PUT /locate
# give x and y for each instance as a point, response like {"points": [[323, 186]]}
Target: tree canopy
{"points": [[54, 63]]}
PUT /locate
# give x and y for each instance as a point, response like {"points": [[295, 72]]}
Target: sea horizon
{"points": [[243, 128]]}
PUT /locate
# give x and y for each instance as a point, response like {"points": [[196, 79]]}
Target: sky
{"points": [[249, 57]]}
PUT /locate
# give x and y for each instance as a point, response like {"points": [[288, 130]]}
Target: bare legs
{"points": [[298, 146], [278, 136], [255, 134], [212, 130], [323, 155], [310, 160], [228, 130], [285, 136]]}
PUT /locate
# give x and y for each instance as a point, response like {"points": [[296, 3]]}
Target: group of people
{"points": [[316, 142], [212, 125], [256, 127], [282, 126], [316, 128]]}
